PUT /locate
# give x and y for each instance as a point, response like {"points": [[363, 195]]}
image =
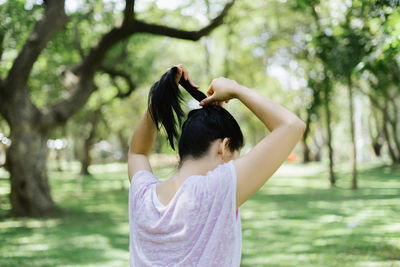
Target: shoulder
{"points": [[226, 169], [143, 177], [222, 176], [140, 184]]}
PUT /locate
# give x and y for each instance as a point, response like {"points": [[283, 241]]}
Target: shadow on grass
{"points": [[285, 225], [91, 227], [294, 220]]}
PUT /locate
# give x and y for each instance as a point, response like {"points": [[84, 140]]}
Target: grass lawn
{"points": [[295, 220]]}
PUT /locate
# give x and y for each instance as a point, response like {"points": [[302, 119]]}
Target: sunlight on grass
{"points": [[294, 220]]}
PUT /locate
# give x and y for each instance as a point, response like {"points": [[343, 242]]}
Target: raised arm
{"points": [[141, 144], [145, 133], [257, 166]]}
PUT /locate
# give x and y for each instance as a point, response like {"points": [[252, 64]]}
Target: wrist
{"points": [[239, 91]]}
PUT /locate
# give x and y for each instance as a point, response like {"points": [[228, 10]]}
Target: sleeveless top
{"points": [[200, 226]]}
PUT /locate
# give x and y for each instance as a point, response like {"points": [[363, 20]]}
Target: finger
{"points": [[210, 90], [184, 71], [206, 101], [180, 68], [179, 74], [192, 83]]}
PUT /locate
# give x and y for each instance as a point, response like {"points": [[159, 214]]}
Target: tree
{"points": [[30, 125], [321, 85], [380, 74]]}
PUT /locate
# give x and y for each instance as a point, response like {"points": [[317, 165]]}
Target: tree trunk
{"points": [[305, 150], [304, 140], [30, 126], [385, 122], [26, 162], [332, 178], [3, 150], [58, 160], [124, 145], [353, 152], [392, 153], [86, 158], [393, 124], [376, 139], [318, 142]]}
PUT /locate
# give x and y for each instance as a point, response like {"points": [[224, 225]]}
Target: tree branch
{"points": [[129, 11], [79, 90], [395, 69], [77, 42], [52, 20], [84, 72], [93, 60], [372, 98], [144, 27], [123, 53], [1, 44], [2, 99], [2, 108], [119, 73]]}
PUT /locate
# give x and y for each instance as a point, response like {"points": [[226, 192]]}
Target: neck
{"points": [[199, 166]]}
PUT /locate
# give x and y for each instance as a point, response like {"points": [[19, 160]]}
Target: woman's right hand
{"points": [[221, 89], [183, 71]]}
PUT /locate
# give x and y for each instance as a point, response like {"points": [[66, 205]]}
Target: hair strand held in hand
{"points": [[203, 125]]}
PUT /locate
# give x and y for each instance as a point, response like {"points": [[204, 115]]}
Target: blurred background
{"points": [[74, 80]]}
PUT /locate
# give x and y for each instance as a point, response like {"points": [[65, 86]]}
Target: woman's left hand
{"points": [[185, 73]]}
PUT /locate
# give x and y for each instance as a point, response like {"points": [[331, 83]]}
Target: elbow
{"points": [[133, 151], [138, 150], [298, 125], [302, 126]]}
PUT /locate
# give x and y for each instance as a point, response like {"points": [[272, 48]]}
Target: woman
{"points": [[192, 219]]}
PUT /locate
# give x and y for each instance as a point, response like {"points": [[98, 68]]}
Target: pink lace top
{"points": [[199, 227]]}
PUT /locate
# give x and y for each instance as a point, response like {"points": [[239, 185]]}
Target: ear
{"points": [[225, 147]]}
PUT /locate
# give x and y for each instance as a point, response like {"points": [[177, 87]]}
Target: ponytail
{"points": [[165, 100]]}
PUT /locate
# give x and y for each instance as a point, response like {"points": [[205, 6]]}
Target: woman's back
{"points": [[198, 224]]}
